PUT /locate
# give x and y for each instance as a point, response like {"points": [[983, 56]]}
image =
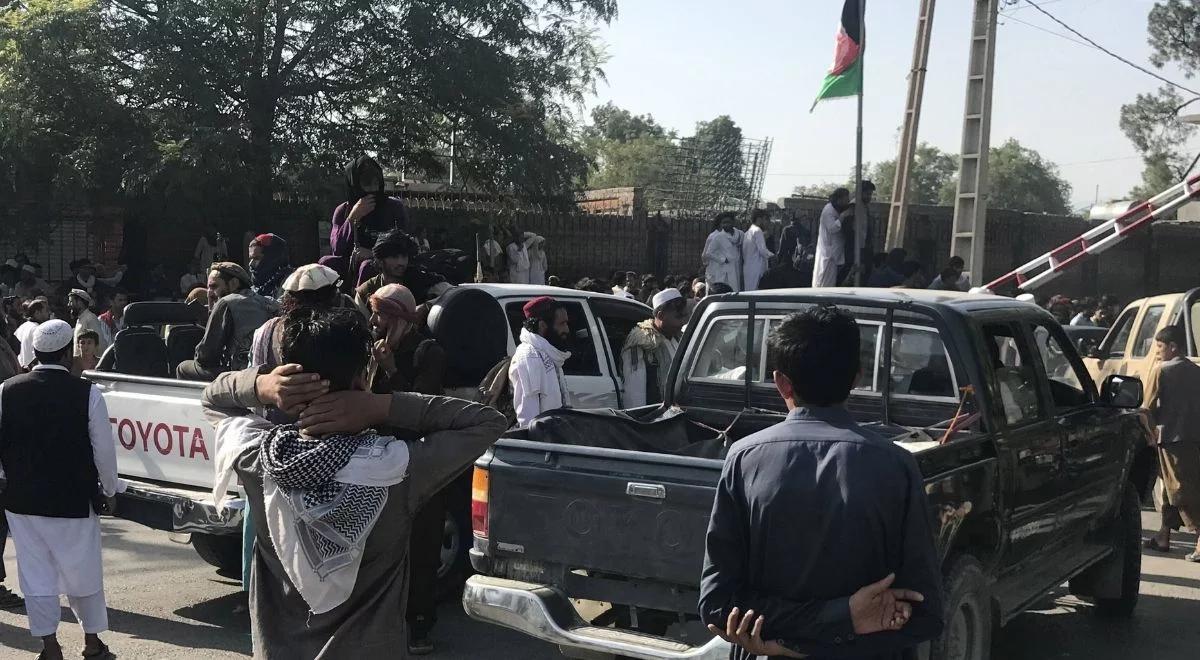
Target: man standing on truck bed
{"points": [[816, 518], [650, 347], [1172, 395], [337, 499], [536, 370]]}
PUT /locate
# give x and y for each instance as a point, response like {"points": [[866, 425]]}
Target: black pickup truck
{"points": [[1027, 474]]}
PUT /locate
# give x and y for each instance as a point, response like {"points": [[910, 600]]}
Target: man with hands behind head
{"points": [[338, 490], [820, 543]]}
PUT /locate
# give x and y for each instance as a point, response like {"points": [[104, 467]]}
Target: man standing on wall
{"points": [[755, 255], [831, 248], [722, 253]]}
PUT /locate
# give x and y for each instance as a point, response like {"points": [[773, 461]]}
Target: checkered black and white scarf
{"points": [[319, 517]]}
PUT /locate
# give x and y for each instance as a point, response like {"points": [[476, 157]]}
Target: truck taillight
{"points": [[479, 503]]}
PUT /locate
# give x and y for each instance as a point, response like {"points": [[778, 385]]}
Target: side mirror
{"points": [[1122, 392]]}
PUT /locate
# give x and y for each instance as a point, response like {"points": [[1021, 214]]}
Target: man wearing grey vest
{"points": [[58, 467]]}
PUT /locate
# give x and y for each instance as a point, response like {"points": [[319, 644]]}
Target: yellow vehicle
{"points": [[1128, 349]]}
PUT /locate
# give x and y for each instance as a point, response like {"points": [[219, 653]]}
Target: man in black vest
{"points": [[58, 467]]}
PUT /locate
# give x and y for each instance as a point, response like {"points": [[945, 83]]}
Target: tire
{"points": [[967, 634], [1127, 541], [457, 539], [223, 551]]}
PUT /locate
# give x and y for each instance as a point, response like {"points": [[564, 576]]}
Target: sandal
{"points": [[10, 600], [101, 653], [1152, 544], [1193, 557]]}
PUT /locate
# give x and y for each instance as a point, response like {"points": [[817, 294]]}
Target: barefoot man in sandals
{"points": [[1172, 395]]}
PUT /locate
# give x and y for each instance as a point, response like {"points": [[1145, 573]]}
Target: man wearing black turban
{"points": [[365, 216]]}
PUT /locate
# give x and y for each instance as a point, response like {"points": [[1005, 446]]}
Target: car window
{"points": [[616, 320], [1013, 376], [583, 360], [1119, 336], [868, 353], [1066, 381], [920, 366], [1145, 334], [723, 354]]}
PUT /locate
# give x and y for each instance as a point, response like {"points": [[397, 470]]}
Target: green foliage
{"points": [[1020, 179], [1151, 122], [932, 172], [214, 99]]}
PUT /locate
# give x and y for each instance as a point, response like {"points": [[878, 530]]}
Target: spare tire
{"points": [[470, 325]]}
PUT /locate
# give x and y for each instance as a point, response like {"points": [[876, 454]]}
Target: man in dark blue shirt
{"points": [[820, 539]]}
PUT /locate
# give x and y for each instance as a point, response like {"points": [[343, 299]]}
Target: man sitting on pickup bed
{"points": [[335, 499], [236, 314], [820, 535]]}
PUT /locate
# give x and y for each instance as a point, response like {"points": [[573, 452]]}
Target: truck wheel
{"points": [[1128, 553], [968, 631], [454, 566], [223, 551]]}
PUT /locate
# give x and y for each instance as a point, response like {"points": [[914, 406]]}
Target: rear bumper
{"points": [[543, 612], [177, 510]]}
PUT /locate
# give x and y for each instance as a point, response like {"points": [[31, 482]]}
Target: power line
{"points": [[1035, 26], [1109, 52]]}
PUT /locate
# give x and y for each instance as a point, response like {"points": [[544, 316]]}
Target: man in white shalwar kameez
{"points": [[722, 254], [831, 249], [50, 418], [755, 255]]}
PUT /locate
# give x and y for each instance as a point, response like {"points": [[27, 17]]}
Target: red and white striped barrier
{"points": [[1098, 239]]}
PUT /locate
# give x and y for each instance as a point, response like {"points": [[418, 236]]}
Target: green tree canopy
{"points": [[250, 98], [1020, 179], [932, 171], [1151, 122]]}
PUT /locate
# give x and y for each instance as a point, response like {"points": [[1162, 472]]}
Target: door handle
{"points": [[652, 491]]}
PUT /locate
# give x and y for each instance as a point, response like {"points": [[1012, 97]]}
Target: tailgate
{"points": [[610, 511], [160, 429]]}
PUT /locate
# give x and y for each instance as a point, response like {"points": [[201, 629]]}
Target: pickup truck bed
{"points": [[1030, 487]]}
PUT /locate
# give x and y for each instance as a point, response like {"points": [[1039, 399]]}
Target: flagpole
{"points": [[860, 209]]}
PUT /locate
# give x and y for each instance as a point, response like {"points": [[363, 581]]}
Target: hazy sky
{"points": [[761, 62]]}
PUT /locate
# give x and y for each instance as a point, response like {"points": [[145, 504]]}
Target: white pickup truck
{"points": [[165, 447]]}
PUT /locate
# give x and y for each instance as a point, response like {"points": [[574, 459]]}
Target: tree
{"points": [[1151, 122], [818, 189], [265, 94], [1020, 179], [932, 171], [627, 149]]}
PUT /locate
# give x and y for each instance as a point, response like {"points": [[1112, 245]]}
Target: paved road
{"points": [[165, 603]]}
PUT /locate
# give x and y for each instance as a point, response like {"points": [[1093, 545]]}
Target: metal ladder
{"points": [[1098, 239]]}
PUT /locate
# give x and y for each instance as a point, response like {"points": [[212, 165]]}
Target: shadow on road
{"points": [[1067, 628]]}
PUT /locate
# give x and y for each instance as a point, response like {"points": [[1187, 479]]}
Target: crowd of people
{"points": [[326, 389]]}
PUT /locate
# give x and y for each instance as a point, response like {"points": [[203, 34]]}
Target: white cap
{"points": [[665, 296], [82, 295], [1027, 297], [29, 268], [52, 336], [311, 278], [12, 263]]}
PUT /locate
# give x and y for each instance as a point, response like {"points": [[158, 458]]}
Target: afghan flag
{"points": [[845, 78]]}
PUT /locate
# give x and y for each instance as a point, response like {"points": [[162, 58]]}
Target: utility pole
{"points": [[901, 191], [970, 204]]}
